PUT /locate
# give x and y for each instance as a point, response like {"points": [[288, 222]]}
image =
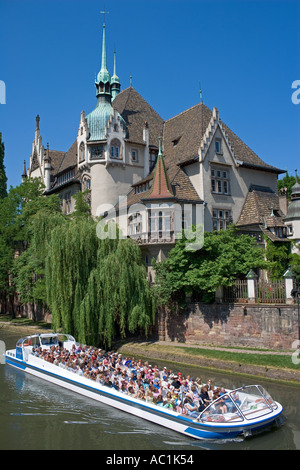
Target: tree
{"points": [[295, 265], [22, 239], [278, 255], [225, 256], [3, 178], [96, 289], [287, 182]]}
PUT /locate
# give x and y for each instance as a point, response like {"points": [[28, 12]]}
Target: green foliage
{"points": [[82, 209], [225, 256], [3, 178], [287, 182], [295, 265], [278, 255], [96, 289]]}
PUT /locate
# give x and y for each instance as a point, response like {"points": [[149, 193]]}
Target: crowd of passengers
{"points": [[182, 394]]}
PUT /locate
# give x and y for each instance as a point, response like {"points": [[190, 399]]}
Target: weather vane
{"points": [[104, 12]]}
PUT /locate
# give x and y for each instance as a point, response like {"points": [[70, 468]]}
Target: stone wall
{"points": [[268, 326]]}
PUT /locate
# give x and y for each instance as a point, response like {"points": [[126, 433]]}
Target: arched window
{"points": [[81, 152], [115, 149]]}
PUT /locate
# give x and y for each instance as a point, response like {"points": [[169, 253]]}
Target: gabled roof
{"points": [[183, 135], [136, 111]]}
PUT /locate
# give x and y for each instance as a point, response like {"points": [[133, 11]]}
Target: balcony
{"points": [[154, 238]]}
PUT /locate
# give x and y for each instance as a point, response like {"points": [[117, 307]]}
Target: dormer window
{"points": [[134, 155], [175, 141], [218, 146]]}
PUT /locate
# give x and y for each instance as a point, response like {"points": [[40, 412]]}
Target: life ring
{"points": [[216, 418], [260, 400]]}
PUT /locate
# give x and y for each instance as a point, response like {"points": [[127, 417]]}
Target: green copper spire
{"points": [[103, 75], [115, 81]]}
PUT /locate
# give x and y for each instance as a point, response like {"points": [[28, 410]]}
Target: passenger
{"points": [[159, 400], [220, 406], [190, 407], [204, 395], [176, 383], [184, 386], [115, 384], [131, 391], [168, 400]]}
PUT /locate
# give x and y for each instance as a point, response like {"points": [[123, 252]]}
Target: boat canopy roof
{"points": [[45, 339]]}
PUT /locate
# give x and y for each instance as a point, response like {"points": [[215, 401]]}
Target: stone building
{"points": [[192, 164]]}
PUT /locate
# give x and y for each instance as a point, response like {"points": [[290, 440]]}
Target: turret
{"points": [[115, 81], [24, 174], [47, 168], [103, 79]]}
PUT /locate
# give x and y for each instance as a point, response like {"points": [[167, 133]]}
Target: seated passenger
{"points": [[190, 407], [204, 395]]}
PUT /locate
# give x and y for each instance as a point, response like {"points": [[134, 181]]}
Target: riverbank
{"points": [[267, 364]]}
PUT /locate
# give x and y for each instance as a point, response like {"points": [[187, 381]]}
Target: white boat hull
{"points": [[156, 414]]}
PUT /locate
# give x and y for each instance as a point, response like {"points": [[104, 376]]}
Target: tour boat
{"points": [[249, 409]]}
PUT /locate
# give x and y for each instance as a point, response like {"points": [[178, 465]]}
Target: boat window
{"points": [[254, 401], [49, 340], [222, 410]]}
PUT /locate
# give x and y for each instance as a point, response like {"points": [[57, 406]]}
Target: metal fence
{"points": [[271, 292], [236, 293]]}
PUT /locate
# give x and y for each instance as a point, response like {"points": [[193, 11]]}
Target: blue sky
{"points": [[244, 53]]}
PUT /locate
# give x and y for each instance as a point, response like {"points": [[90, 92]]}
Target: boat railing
{"points": [[244, 403]]}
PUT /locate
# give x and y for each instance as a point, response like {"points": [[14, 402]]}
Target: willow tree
{"points": [[72, 255], [96, 289], [118, 299]]}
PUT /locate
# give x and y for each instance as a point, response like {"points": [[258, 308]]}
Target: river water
{"points": [[36, 415]]}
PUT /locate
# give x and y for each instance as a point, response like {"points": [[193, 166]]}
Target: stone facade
{"points": [[243, 325]]}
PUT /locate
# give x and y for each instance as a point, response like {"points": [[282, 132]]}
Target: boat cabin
{"points": [[45, 341]]}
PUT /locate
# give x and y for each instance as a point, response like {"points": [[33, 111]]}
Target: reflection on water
{"points": [[35, 414]]}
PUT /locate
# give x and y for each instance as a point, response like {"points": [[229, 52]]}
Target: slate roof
{"points": [[69, 159], [183, 134], [136, 111], [257, 206], [261, 210]]}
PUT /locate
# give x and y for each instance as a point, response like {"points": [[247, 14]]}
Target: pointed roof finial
{"points": [[104, 12], [103, 75], [24, 175], [200, 91], [159, 146], [161, 187], [37, 119], [130, 80], [115, 77]]}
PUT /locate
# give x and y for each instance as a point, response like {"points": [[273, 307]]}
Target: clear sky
{"points": [[246, 54]]}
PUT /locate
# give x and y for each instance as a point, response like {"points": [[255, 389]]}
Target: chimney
{"points": [[283, 200]]}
